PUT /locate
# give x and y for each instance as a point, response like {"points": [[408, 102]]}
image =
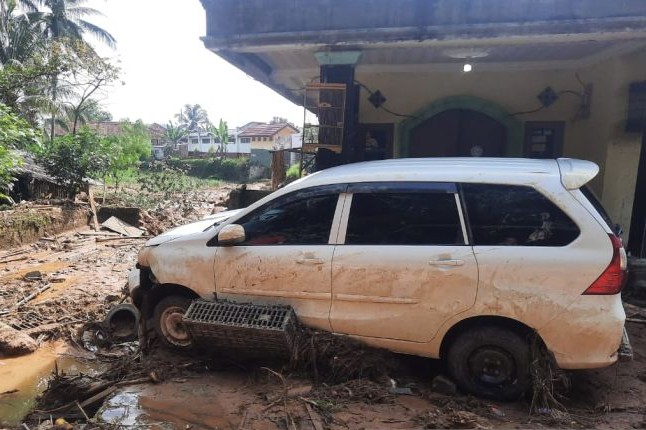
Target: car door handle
{"points": [[310, 261], [446, 262]]}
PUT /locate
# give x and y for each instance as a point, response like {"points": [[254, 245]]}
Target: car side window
{"points": [[400, 218], [513, 215], [301, 219]]}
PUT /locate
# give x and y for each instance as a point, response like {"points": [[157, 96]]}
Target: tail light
{"points": [[612, 279]]}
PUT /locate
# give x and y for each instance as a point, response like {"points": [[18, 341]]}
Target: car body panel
{"points": [[406, 293], [296, 275]]}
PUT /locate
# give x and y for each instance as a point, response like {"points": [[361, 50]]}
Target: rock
{"points": [[442, 384], [33, 276], [14, 343]]}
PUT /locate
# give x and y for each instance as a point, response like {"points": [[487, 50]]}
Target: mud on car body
{"points": [[460, 259]]}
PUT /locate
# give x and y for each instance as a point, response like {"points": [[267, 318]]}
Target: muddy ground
{"points": [[82, 278]]}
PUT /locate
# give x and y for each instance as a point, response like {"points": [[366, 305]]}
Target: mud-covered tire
{"points": [[491, 362], [167, 321]]}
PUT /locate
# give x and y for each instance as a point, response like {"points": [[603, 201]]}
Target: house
{"points": [[33, 182], [422, 78], [264, 138], [203, 143]]}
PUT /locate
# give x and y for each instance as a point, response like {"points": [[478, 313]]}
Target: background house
{"points": [[264, 138], [504, 78]]}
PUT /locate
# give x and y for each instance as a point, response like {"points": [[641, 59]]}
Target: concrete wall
{"points": [[600, 138]]}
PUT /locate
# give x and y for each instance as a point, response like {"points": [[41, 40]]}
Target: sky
{"points": [[164, 65]]}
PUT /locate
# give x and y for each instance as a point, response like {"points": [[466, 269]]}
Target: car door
{"points": [[404, 266], [286, 257]]}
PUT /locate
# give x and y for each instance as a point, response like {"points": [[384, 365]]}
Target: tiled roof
{"points": [[265, 129]]}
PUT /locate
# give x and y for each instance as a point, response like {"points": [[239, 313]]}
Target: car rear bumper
{"points": [[589, 335]]}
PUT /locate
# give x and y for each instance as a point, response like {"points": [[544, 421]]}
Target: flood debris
{"points": [[118, 226], [14, 343], [332, 358]]}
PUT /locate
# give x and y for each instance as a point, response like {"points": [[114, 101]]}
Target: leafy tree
{"points": [[83, 85], [175, 133], [128, 148], [94, 112], [222, 133], [278, 120], [15, 133], [74, 157]]}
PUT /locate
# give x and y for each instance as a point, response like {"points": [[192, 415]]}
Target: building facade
{"points": [[498, 78]]}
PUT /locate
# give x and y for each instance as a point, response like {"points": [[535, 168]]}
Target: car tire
{"points": [[491, 362], [167, 320]]}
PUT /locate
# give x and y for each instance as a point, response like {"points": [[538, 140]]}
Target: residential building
{"points": [[264, 138], [422, 78]]}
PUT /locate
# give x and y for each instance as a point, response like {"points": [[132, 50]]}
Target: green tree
{"points": [[73, 158], [15, 133], [95, 112], [63, 20], [66, 19], [194, 118], [174, 133], [222, 133], [128, 149]]}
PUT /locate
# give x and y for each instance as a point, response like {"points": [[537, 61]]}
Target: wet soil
{"points": [[185, 392]]}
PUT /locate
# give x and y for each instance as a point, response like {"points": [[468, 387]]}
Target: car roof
{"points": [[572, 172]]}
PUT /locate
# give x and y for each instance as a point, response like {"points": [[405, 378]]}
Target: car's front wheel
{"points": [[169, 324], [491, 362]]}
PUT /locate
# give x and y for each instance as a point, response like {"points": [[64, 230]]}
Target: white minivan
{"points": [[463, 259]]}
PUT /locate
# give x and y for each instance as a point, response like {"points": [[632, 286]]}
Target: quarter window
{"points": [[305, 219], [400, 218], [512, 215]]}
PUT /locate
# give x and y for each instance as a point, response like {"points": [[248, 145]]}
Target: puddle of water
{"points": [[28, 375], [122, 408]]}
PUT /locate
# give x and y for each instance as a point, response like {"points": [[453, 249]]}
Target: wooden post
{"points": [[277, 168]]}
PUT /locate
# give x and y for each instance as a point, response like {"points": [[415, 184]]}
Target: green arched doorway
{"points": [[461, 126]]}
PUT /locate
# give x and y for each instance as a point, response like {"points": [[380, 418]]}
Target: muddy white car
{"points": [[466, 260]]}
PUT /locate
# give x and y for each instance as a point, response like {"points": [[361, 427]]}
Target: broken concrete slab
{"points": [[115, 224], [14, 343]]}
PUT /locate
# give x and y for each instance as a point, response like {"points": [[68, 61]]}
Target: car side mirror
{"points": [[231, 234]]}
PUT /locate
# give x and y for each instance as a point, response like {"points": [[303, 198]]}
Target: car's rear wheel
{"points": [[491, 362], [168, 322]]}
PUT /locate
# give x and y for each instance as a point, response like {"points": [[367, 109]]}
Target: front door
{"points": [[459, 133], [404, 266], [286, 257]]}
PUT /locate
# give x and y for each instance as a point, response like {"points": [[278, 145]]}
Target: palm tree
{"points": [[194, 119], [174, 133], [65, 20], [20, 37], [222, 133]]}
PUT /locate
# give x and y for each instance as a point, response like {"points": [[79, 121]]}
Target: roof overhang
{"points": [[431, 36]]}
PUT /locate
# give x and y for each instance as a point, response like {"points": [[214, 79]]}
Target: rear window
{"points": [[594, 201], [511, 215]]}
